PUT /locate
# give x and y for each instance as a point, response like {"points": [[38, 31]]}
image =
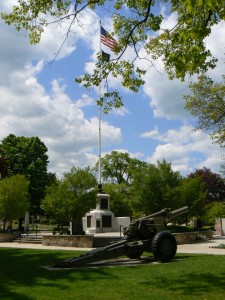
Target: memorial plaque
{"points": [[106, 221], [104, 203]]}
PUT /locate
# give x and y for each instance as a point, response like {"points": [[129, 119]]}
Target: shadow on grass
{"points": [[192, 281], [193, 284], [21, 269]]}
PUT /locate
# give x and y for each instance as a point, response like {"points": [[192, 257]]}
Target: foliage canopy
{"points": [[207, 103], [142, 25], [13, 197], [71, 197], [214, 184], [27, 156]]}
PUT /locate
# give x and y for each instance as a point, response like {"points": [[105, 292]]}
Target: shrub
{"points": [[60, 231]]}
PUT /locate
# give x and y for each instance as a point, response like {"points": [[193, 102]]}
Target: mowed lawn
{"points": [[22, 277]]}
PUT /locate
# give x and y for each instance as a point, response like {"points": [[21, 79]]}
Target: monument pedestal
{"points": [[101, 219]]}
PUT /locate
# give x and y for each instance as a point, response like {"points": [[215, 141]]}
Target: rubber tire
{"points": [[164, 246]]}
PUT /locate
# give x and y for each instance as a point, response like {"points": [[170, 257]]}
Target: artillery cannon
{"points": [[147, 234]]}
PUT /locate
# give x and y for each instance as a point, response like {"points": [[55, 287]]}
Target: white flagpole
{"points": [[99, 125]]}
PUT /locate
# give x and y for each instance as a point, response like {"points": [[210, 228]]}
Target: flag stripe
{"points": [[107, 41]]}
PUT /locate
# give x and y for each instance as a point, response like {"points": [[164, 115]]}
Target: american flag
{"points": [[106, 40]]}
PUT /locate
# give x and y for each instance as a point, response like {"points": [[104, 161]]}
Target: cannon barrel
{"points": [[166, 213], [177, 213]]}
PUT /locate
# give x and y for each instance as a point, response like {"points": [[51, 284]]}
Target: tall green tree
{"points": [[120, 203], [13, 198], [214, 184], [191, 192], [214, 210], [118, 167], [153, 188], [28, 156], [71, 197], [58, 203], [3, 166], [207, 104], [136, 24]]}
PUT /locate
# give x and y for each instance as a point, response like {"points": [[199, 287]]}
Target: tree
{"points": [[13, 198], [119, 199], [57, 203], [222, 170], [80, 183], [137, 24], [153, 188], [3, 166], [207, 103], [71, 197], [214, 184], [214, 210], [191, 192], [28, 156], [117, 167]]}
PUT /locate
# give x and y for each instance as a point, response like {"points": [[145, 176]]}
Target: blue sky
{"points": [[39, 98]]}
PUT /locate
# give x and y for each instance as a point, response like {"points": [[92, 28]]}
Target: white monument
{"points": [[101, 219]]}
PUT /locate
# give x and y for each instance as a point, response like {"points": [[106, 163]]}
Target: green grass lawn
{"points": [[188, 277]]}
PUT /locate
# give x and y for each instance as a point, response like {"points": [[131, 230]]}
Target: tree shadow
{"points": [[192, 284], [196, 283], [24, 268]]}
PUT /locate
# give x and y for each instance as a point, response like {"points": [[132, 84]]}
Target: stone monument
{"points": [[101, 219]]}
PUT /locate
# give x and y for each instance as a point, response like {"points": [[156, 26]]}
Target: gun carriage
{"points": [[146, 234]]}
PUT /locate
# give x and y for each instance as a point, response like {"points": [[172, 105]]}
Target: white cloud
{"points": [[122, 111], [55, 118], [28, 109], [166, 96], [186, 149], [137, 155]]}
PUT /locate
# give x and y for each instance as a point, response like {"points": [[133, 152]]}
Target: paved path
{"points": [[206, 247]]}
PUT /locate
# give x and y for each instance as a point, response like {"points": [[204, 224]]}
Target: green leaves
{"points": [[141, 25], [72, 195], [13, 197], [27, 156], [29, 16], [214, 210], [131, 78], [207, 103]]}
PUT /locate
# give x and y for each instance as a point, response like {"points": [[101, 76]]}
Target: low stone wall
{"points": [[86, 241], [191, 237], [6, 237], [79, 241]]}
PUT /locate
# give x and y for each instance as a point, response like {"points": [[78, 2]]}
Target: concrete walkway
{"points": [[205, 247]]}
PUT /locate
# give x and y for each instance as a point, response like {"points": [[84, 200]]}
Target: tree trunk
{"points": [[9, 225], [20, 224], [4, 223]]}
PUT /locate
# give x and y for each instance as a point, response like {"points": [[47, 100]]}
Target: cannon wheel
{"points": [[164, 246]]}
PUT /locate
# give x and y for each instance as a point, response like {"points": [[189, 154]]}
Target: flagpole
{"points": [[99, 124]]}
